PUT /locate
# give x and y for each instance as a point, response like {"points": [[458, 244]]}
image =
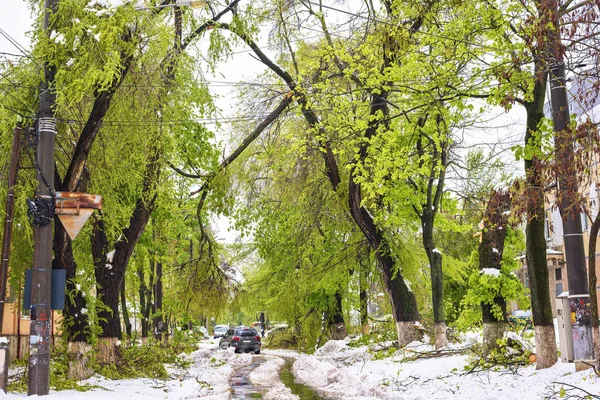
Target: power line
{"points": [[20, 47], [483, 46], [3, 53], [20, 113]]}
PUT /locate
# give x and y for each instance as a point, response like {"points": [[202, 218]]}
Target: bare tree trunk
{"points": [[403, 300], [109, 275], [593, 279], [364, 299], [158, 321], [79, 357], [434, 160], [437, 293], [19, 302], [143, 301], [495, 222], [149, 299], [125, 311], [337, 324], [537, 264]]}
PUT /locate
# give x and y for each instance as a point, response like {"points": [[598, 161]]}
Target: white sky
{"points": [[15, 20]]}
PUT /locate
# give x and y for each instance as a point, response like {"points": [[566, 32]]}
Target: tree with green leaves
{"points": [[301, 233]]}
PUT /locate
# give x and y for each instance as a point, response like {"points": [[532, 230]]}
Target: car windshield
{"points": [[245, 332], [221, 328]]}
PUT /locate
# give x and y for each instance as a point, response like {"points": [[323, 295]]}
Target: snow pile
{"points": [[266, 377], [207, 377], [332, 347], [431, 376], [345, 379], [314, 372]]}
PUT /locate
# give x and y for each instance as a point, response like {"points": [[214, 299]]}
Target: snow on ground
{"points": [[207, 377], [341, 372], [338, 371]]}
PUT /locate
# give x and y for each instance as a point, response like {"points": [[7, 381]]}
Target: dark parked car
{"points": [[242, 339]]}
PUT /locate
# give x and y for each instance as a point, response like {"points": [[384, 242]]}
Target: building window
{"points": [[526, 279], [558, 274], [559, 289]]}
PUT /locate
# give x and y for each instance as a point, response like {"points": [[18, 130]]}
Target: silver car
{"points": [[220, 331]]}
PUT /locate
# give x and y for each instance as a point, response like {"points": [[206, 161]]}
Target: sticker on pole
{"points": [[74, 209]]}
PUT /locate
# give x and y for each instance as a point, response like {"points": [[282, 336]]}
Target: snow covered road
{"points": [[337, 371]]}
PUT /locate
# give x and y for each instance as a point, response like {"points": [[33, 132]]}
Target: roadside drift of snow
{"points": [[354, 374], [207, 377]]}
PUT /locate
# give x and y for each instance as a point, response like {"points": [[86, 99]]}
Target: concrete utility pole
{"points": [[43, 208], [579, 297], [8, 219]]}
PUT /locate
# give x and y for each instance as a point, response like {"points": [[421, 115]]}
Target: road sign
{"points": [[74, 209]]}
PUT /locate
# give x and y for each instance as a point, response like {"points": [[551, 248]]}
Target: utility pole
{"points": [[579, 297], [8, 219], [42, 213]]}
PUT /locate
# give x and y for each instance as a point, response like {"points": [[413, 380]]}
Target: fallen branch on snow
{"points": [[571, 392]]}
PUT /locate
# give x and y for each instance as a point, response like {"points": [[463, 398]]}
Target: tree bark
{"points": [[158, 321], [495, 222], [537, 267], [437, 287], [125, 311], [337, 325], [105, 280], [79, 355], [593, 280], [432, 190], [143, 301], [110, 275], [364, 294], [403, 300]]}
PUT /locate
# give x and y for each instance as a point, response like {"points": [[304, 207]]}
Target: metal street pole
{"points": [[579, 297], [42, 208], [8, 219]]}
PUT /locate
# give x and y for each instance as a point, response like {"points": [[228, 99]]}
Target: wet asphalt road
{"points": [[241, 385], [243, 388]]}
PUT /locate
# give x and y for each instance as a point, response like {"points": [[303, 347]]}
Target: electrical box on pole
{"points": [[565, 335]]}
